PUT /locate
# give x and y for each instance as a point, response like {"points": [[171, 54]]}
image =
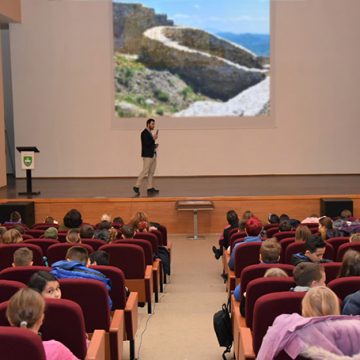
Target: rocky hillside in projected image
{"points": [[163, 69]]}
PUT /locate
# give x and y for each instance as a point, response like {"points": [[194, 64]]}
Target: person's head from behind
{"points": [[15, 217], [26, 310], [320, 301], [309, 274], [150, 124], [346, 214], [326, 223], [283, 217], [285, 225], [350, 264], [118, 221], [105, 217], [12, 236], [315, 248], [45, 284], [2, 232], [99, 257], [302, 233], [253, 226], [232, 218], [22, 257], [49, 220], [143, 226], [78, 254], [104, 225], [355, 237], [72, 219], [245, 216], [275, 272], [73, 236], [51, 233], [127, 232], [273, 219], [86, 231], [270, 251]]}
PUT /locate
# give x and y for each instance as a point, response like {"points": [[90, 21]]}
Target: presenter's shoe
{"points": [[136, 190], [152, 191]]}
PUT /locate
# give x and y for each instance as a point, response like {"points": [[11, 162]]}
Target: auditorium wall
{"points": [[63, 98]]}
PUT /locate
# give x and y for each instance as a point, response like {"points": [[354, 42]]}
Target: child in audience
{"points": [[15, 218], [73, 236], [302, 234], [314, 251], [2, 232], [22, 257], [308, 275], [253, 230], [12, 236], [86, 231], [45, 284], [269, 254], [76, 266], [352, 304], [355, 237], [320, 333], [26, 310], [326, 228], [127, 232], [99, 257], [350, 264], [244, 218], [51, 233], [72, 220]]}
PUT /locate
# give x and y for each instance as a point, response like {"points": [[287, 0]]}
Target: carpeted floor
{"points": [[180, 327]]}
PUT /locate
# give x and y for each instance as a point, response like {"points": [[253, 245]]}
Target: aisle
{"points": [[181, 326]]}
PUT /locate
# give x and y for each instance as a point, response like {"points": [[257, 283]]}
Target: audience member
{"points": [[275, 272], [118, 221], [76, 265], [352, 304], [51, 233], [312, 219], [233, 223], [72, 220], [22, 257], [2, 232], [350, 264], [45, 284], [26, 310], [15, 218], [127, 232], [302, 233], [308, 275], [244, 218], [355, 237], [50, 220], [285, 226], [326, 228], [320, 333], [273, 219], [73, 236], [269, 254], [86, 231], [253, 228], [99, 257], [12, 236], [314, 251], [105, 217], [103, 231]]}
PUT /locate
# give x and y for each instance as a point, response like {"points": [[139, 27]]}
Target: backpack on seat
{"points": [[223, 328]]}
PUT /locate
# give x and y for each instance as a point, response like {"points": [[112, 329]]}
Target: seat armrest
{"points": [[117, 334], [246, 350], [96, 348], [131, 315]]}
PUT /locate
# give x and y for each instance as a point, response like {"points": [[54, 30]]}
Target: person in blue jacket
{"points": [[76, 266]]}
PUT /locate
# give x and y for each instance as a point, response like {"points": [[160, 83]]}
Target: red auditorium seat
{"points": [[21, 273], [331, 270], [58, 252], [8, 288], [7, 251], [345, 286], [335, 242], [344, 248], [284, 234], [43, 243]]}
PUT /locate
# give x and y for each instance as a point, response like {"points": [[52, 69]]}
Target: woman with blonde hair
{"points": [[12, 236], [350, 264], [26, 310], [73, 236]]}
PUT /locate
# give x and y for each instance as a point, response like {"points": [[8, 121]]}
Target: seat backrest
{"points": [[268, 307], [158, 234], [271, 230], [19, 344], [117, 278], [337, 241], [163, 231], [284, 244], [236, 241], [58, 252], [262, 286], [35, 233], [246, 254], [331, 270], [7, 251], [129, 258], [146, 246], [42, 242], [8, 288], [345, 247], [269, 226], [92, 296], [284, 234], [298, 247], [64, 322], [252, 272], [345, 286], [21, 273], [43, 226], [94, 243], [149, 237], [235, 236]]}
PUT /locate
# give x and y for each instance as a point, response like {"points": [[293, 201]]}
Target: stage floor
{"points": [[208, 186]]}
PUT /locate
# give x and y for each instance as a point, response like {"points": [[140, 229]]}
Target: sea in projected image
{"points": [[191, 58]]}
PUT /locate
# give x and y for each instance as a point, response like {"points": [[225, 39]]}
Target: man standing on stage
{"points": [[148, 154]]}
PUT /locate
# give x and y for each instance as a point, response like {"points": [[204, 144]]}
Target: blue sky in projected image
{"points": [[236, 16]]}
